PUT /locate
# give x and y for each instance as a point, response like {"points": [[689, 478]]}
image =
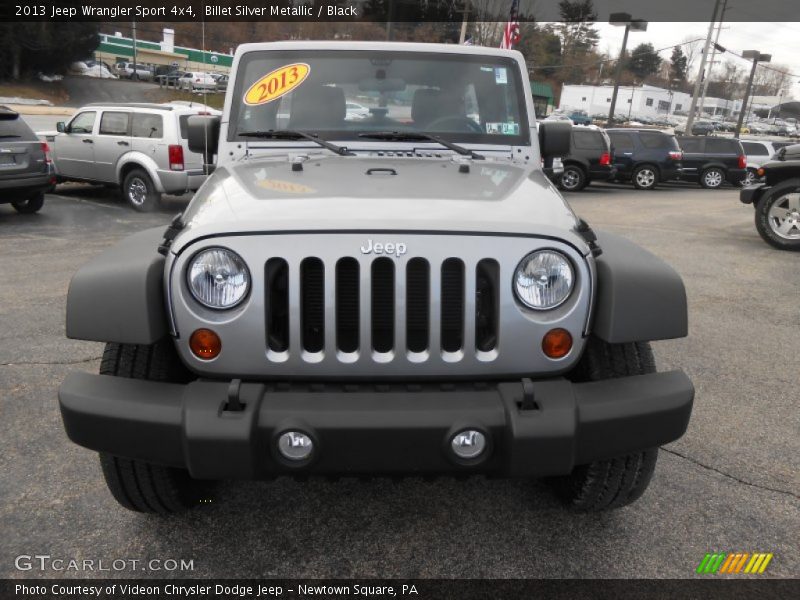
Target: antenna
{"points": [[205, 97]]}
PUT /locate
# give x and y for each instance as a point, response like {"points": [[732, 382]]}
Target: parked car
{"points": [[25, 167], [221, 83], [193, 81], [170, 78], [711, 161], [356, 111], [579, 117], [758, 152], [376, 301], [141, 147], [645, 157], [556, 116], [128, 70], [777, 199], [590, 158], [703, 128]]}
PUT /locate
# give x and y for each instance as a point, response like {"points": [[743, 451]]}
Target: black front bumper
{"points": [[752, 193], [375, 429]]}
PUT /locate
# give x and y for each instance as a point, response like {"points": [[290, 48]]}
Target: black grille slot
{"points": [[452, 305], [347, 304], [312, 302], [277, 301], [417, 304], [382, 305], [487, 304]]}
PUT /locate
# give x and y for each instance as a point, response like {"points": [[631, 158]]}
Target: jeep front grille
{"points": [[386, 318], [319, 308]]}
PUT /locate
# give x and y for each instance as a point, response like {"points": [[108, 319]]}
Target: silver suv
{"points": [[129, 70], [402, 294], [141, 147]]}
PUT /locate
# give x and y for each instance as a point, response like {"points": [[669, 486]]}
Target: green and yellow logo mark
{"points": [[734, 562]]}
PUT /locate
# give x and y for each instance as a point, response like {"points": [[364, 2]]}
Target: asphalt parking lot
{"points": [[732, 483]]}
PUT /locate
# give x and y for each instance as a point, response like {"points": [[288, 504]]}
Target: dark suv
{"points": [[25, 167], [777, 199], [711, 161], [590, 158], [645, 156]]}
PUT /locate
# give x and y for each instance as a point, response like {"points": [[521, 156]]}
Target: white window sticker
{"points": [[502, 128], [501, 76]]}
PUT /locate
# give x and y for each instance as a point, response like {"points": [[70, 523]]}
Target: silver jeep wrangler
{"points": [[401, 292]]}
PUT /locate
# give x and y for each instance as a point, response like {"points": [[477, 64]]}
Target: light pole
{"points": [[618, 20], [630, 102], [701, 74], [756, 57]]}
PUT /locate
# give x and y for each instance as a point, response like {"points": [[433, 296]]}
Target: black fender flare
{"points": [[118, 296], [639, 296]]}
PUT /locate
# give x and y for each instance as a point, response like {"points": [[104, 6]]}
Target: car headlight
{"points": [[218, 278], [544, 279]]}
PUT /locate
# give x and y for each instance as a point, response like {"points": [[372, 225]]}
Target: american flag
{"points": [[511, 32]]}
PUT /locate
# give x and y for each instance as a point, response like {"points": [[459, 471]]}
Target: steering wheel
{"points": [[458, 123]]}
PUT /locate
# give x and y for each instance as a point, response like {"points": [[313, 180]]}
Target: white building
{"points": [[649, 101], [636, 101]]}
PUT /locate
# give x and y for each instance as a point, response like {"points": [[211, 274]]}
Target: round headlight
{"points": [[218, 278], [543, 279]]}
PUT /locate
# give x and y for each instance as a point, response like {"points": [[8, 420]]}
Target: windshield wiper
{"points": [[292, 134], [415, 136], [9, 135]]}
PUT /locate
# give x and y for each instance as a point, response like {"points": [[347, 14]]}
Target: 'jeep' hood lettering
{"points": [[335, 193]]}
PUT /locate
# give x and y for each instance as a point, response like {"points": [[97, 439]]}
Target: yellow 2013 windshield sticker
{"points": [[276, 84]]}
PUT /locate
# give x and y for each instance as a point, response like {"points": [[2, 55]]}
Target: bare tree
{"points": [[772, 80], [692, 49]]}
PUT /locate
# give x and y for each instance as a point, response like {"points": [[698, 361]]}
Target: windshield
{"points": [[341, 94]]}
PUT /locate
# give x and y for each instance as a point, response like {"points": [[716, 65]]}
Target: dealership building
{"points": [[116, 48], [648, 101]]}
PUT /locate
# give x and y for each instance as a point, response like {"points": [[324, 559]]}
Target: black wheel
{"points": [[613, 483], [645, 177], [712, 178], [139, 191], [138, 485], [31, 205], [749, 178], [778, 217], [573, 179]]}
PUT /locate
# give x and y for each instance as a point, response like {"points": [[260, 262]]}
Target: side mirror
{"points": [[555, 138], [203, 134], [61, 127]]}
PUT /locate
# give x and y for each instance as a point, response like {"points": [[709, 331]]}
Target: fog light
{"points": [[468, 444], [295, 445], [205, 344], [557, 343]]}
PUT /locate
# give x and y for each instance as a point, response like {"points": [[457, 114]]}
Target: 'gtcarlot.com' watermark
{"points": [[45, 562]]}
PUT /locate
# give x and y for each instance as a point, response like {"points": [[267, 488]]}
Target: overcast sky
{"points": [[782, 40]]}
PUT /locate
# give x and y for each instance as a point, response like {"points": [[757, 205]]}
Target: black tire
{"points": [[712, 178], [573, 179], [31, 205], [139, 191], [749, 178], [645, 177], [778, 209], [138, 485], [617, 482]]}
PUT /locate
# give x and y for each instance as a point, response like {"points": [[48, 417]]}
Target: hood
{"points": [[373, 193]]}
